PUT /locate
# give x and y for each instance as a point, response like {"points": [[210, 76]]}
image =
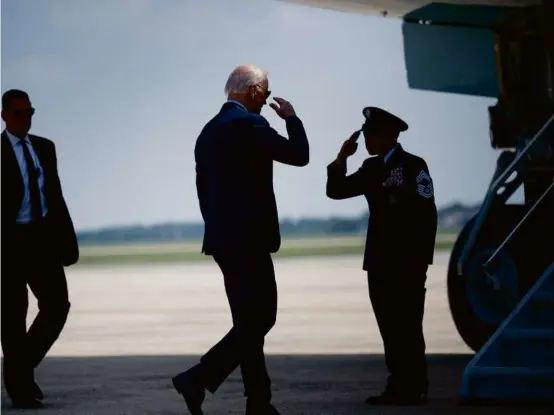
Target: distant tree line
{"points": [[452, 217]]}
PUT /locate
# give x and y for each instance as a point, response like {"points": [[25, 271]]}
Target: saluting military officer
{"points": [[400, 245]]}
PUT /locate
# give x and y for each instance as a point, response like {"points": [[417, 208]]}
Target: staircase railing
{"points": [[513, 232], [518, 164]]}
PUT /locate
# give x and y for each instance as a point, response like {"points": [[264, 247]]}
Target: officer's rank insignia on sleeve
{"points": [[424, 185]]}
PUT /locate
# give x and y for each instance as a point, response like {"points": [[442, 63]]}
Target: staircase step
{"points": [[526, 347], [518, 363], [531, 334], [538, 313], [511, 383], [541, 310], [543, 299]]}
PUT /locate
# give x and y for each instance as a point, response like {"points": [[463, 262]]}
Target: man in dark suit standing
{"points": [[234, 155], [400, 245], [38, 239]]}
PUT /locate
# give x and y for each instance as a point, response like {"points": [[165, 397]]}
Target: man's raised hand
{"points": [[282, 107]]}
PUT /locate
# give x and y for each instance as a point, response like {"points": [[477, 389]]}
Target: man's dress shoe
{"points": [[193, 393], [26, 403], [265, 409], [398, 399], [37, 392]]}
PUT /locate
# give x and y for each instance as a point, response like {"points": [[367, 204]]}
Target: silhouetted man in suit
{"points": [[38, 239], [400, 245], [234, 175]]}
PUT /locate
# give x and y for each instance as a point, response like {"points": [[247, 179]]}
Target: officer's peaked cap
{"points": [[377, 117]]}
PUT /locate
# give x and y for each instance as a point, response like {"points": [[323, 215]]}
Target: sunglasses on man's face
{"points": [[21, 113], [267, 93]]}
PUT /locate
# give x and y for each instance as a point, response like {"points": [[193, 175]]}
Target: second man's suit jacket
{"points": [[59, 225]]}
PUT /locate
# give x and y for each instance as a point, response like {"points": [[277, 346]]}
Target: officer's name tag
{"points": [[395, 179]]}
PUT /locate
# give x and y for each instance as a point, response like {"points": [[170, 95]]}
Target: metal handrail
{"points": [[503, 244], [495, 185]]}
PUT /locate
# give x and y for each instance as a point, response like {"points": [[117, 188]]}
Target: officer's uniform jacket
{"points": [[403, 216]]}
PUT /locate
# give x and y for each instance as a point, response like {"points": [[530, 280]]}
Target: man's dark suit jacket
{"points": [[234, 178], [59, 226]]}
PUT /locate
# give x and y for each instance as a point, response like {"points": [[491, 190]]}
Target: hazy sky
{"points": [[124, 86]]}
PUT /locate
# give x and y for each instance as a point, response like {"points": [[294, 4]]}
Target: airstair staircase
{"points": [[517, 363]]}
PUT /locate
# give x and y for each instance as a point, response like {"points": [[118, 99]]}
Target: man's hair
{"points": [[12, 94], [243, 77]]}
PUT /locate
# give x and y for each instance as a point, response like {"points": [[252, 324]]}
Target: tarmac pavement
{"points": [[131, 328]]}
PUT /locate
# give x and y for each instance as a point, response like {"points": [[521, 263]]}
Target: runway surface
{"points": [[132, 328]]}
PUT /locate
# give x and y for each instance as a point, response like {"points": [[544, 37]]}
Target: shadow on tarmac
{"points": [[302, 385]]}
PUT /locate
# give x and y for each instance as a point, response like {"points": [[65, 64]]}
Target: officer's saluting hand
{"points": [[399, 245], [348, 148]]}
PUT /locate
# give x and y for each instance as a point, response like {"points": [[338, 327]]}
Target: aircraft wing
{"points": [[449, 45], [400, 8]]}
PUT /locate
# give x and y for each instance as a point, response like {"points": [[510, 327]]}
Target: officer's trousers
{"points": [[398, 298], [252, 293]]}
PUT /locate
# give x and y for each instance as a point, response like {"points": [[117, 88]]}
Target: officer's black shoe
{"points": [[25, 397], [26, 403], [398, 399], [188, 386], [260, 409], [37, 392]]}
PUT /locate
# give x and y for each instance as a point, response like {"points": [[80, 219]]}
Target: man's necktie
{"points": [[32, 174]]}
